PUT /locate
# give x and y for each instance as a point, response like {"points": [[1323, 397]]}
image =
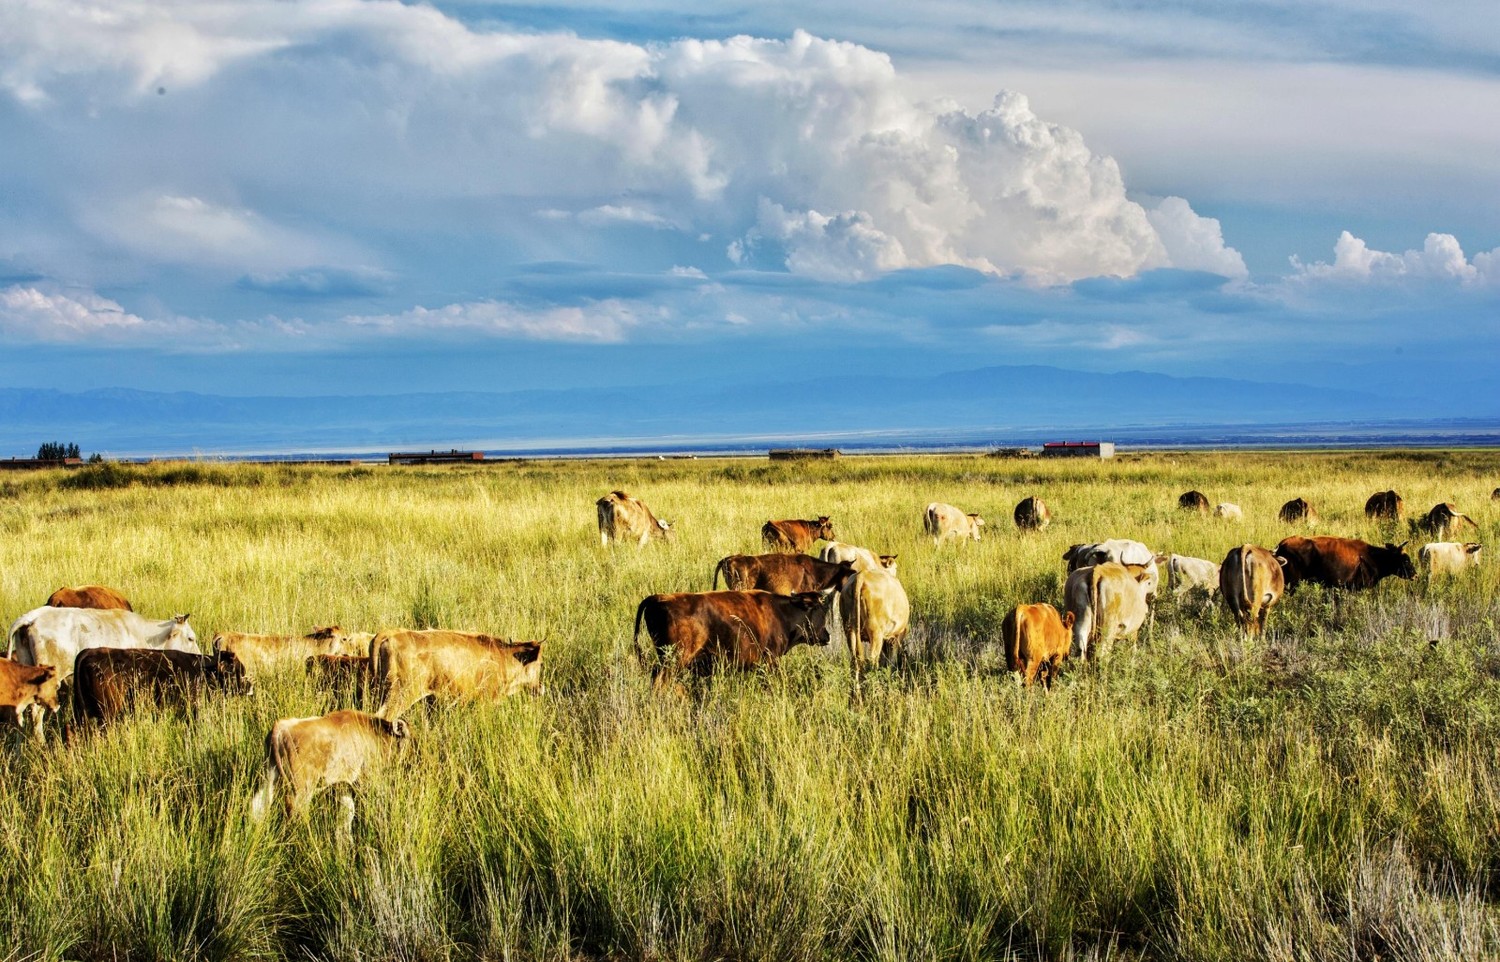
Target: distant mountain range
{"points": [[989, 405]]}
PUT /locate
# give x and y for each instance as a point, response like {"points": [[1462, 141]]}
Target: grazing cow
{"points": [[1193, 501], [55, 636], [1341, 562], [1495, 495], [876, 616], [860, 559], [311, 754], [1032, 514], [795, 535], [107, 682], [700, 630], [1036, 641], [262, 653], [943, 521], [1228, 511], [408, 666], [343, 675], [89, 596], [27, 690], [782, 574], [1106, 601], [623, 518], [1120, 551], [1298, 510], [1251, 582], [1185, 573], [1443, 520], [1385, 506], [1449, 557]]}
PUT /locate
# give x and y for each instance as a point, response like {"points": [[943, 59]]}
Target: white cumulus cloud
{"points": [[29, 313], [1441, 259], [601, 322]]}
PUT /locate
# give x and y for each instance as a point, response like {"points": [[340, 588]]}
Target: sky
{"points": [[300, 197]]}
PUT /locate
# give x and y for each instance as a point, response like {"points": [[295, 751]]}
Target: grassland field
{"points": [[1331, 791]]}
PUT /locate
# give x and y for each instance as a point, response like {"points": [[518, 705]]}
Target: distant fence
{"points": [[31, 464], [435, 457], [805, 454]]}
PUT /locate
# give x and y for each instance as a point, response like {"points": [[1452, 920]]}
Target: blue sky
{"points": [[330, 196]]}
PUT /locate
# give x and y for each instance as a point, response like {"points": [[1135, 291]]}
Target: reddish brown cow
{"points": [[782, 574], [1036, 641], [696, 631], [88, 596], [1384, 506], [1342, 562], [793, 535], [107, 682]]}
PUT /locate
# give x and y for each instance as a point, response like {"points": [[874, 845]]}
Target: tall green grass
{"points": [[1332, 791]]}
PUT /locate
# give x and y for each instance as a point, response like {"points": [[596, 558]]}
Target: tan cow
{"points": [[311, 754], [27, 691], [1228, 511], [1036, 641], [1251, 581], [1106, 601], [943, 521], [89, 596], [261, 654], [1449, 557], [876, 616], [623, 518], [861, 559], [408, 666]]}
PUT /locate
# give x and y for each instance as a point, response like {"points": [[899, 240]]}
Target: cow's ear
{"points": [[180, 619], [1068, 619], [48, 671]]}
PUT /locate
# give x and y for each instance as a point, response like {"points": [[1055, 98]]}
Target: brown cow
{"points": [[1342, 562], [623, 518], [1298, 510], [1444, 520], [1385, 506], [262, 653], [89, 596], [311, 754], [1032, 514], [1495, 495], [409, 666], [782, 574], [27, 690], [738, 628], [107, 682], [343, 675], [1193, 501], [1251, 582], [794, 535], [1036, 641]]}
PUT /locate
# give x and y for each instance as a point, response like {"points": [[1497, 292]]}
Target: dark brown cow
{"points": [[1298, 510], [27, 689], [782, 574], [1032, 514], [1193, 501], [792, 535], [1443, 521], [343, 675], [1341, 562], [698, 631], [107, 682], [88, 596], [1495, 495], [1385, 506]]}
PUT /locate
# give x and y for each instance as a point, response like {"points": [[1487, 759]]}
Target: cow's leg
{"points": [[604, 539], [346, 823], [260, 802]]}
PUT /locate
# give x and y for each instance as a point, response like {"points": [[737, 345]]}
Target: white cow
{"points": [[943, 521], [1107, 601], [1121, 551], [863, 559], [1229, 512], [1449, 557], [55, 636], [1185, 573]]}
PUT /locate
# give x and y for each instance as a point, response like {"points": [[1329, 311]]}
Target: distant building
{"points": [[22, 464], [1078, 449], [805, 454], [435, 457]]}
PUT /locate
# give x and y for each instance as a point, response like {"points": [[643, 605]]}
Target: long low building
{"points": [[1078, 449]]}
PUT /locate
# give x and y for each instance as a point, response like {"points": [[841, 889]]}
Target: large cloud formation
{"points": [[300, 134]]}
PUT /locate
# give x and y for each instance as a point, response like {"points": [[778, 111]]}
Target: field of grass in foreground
{"points": [[1332, 791]]}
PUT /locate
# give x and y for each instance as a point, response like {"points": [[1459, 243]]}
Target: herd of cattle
{"points": [[90, 644]]}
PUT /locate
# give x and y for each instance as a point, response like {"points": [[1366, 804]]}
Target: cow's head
{"points": [[978, 523], [397, 729], [825, 528], [888, 563], [1394, 561], [40, 686], [181, 637], [665, 527], [229, 673], [1473, 548]]}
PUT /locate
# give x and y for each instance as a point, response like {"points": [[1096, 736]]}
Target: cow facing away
{"points": [[409, 666], [1444, 520], [1341, 562], [1228, 511], [1193, 501], [261, 654], [1032, 514], [623, 518], [89, 596], [1184, 574], [1449, 557], [1251, 581], [1298, 511], [860, 559], [1385, 506], [108, 682], [1106, 601], [1036, 641], [797, 535], [28, 691], [312, 754], [699, 631], [782, 574], [943, 521], [876, 615]]}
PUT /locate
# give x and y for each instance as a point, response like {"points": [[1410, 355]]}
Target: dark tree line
{"points": [[56, 451]]}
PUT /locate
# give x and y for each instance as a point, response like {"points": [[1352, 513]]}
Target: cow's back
{"points": [[88, 596]]}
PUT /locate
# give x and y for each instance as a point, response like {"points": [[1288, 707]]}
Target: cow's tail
{"points": [[260, 802], [635, 638], [1095, 629], [1246, 585], [378, 684], [18, 631], [718, 568]]}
